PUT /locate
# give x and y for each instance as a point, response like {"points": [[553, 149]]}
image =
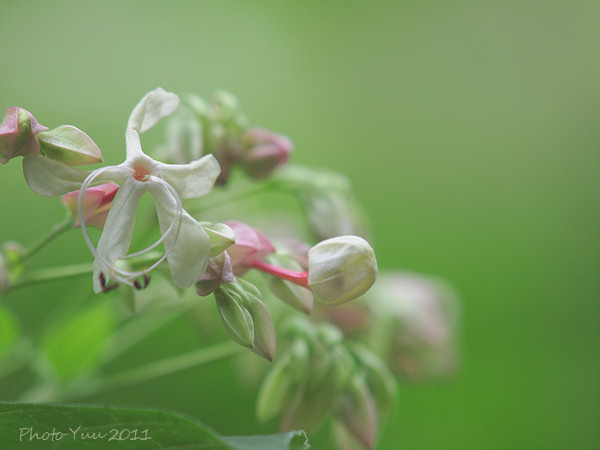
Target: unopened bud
{"points": [[274, 389], [184, 138], [250, 245], [341, 269], [70, 146], [328, 199], [246, 318], [358, 412], [97, 201], [264, 331], [226, 110], [379, 379], [12, 265], [421, 314], [236, 319], [264, 151], [17, 134], [217, 272]]}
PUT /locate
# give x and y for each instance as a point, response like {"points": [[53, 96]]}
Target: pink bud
{"points": [[423, 314], [264, 151], [250, 245], [17, 134], [96, 204]]}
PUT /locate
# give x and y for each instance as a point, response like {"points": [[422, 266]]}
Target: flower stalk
{"points": [[56, 231], [294, 276]]}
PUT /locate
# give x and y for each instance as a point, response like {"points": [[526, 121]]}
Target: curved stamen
{"points": [[178, 218], [117, 273]]}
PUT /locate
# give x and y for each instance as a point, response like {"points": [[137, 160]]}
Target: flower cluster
{"points": [[406, 322], [209, 255]]}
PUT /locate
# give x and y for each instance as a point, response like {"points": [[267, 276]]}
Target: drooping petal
{"points": [[194, 179], [116, 236], [190, 251], [154, 106], [51, 178]]}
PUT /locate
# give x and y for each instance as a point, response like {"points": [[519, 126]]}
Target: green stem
{"points": [[53, 273], [156, 369], [74, 270], [230, 193], [56, 231]]}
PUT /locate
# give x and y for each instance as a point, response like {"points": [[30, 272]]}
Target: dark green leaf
{"points": [[60, 426], [294, 440]]}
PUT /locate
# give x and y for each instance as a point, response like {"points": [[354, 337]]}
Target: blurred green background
{"points": [[470, 131]]}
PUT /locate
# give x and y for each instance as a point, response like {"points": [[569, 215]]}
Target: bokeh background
{"points": [[470, 131]]}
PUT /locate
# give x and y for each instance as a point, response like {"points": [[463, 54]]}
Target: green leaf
{"points": [[99, 427], [38, 425], [293, 440], [78, 345]]}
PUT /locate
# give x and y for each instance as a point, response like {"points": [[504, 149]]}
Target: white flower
{"points": [[187, 245]]}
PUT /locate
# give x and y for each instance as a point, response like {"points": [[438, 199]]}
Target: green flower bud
{"points": [[69, 145], [380, 380], [314, 399], [357, 411], [12, 265], [274, 388], [236, 319], [341, 269], [264, 332], [246, 318], [226, 110], [327, 198], [184, 138]]}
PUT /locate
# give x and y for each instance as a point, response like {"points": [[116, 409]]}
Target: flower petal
{"points": [[194, 179], [191, 246], [116, 236], [51, 178], [154, 106]]}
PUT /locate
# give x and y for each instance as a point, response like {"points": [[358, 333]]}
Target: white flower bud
{"points": [[341, 269]]}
